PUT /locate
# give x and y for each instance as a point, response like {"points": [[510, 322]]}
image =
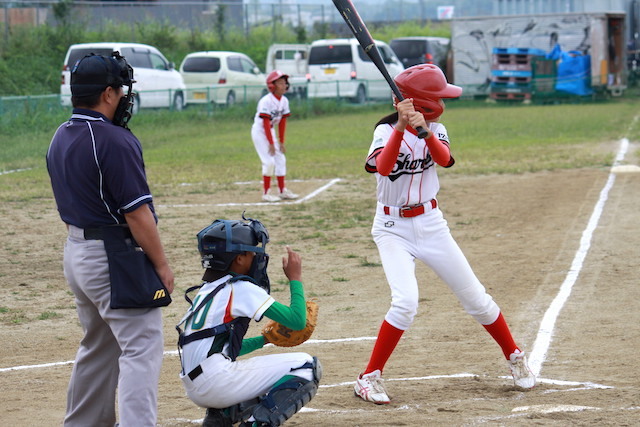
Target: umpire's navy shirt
{"points": [[97, 171]]}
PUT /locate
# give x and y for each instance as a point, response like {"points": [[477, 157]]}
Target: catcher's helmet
{"points": [[220, 242], [93, 73], [426, 84], [275, 75]]}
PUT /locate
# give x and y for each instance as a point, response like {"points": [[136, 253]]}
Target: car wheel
{"points": [[231, 99], [178, 102], [361, 95], [136, 105]]}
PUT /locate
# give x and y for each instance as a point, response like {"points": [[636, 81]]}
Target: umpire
{"points": [[99, 182]]}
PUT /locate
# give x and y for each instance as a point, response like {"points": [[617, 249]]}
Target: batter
{"points": [[273, 110], [409, 225]]}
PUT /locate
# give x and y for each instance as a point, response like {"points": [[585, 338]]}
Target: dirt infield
{"points": [[519, 232]]}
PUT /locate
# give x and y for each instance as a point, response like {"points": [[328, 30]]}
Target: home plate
{"points": [[625, 169], [547, 409]]}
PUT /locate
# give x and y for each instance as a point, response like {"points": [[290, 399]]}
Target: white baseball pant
{"points": [[271, 165], [426, 237]]}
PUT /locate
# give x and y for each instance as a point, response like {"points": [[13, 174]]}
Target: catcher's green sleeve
{"points": [[294, 316], [251, 344]]}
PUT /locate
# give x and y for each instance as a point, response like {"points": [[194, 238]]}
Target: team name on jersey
{"points": [[406, 165]]}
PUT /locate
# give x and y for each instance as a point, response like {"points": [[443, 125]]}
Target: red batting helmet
{"points": [[426, 84], [275, 75]]}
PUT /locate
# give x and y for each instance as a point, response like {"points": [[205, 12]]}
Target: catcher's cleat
{"points": [[268, 197], [370, 388], [216, 418], [287, 194], [522, 375]]}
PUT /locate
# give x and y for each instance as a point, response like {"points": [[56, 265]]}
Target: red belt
{"points": [[411, 211]]}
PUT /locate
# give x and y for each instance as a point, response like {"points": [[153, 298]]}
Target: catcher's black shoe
{"points": [[216, 418]]}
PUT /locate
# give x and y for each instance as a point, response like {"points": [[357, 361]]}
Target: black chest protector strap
{"points": [[235, 337]]}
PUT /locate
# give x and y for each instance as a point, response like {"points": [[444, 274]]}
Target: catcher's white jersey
{"points": [[273, 108], [237, 299], [413, 179]]}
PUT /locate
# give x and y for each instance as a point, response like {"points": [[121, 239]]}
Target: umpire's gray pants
{"points": [[121, 348]]}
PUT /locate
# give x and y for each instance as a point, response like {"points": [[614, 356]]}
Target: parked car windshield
{"points": [[330, 54], [136, 58], [408, 48], [82, 52], [201, 64]]}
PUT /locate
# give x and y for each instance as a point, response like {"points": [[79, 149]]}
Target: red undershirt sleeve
{"points": [[386, 160], [439, 150], [266, 121], [281, 129]]}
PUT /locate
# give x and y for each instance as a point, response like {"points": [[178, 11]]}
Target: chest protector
{"points": [[230, 332]]}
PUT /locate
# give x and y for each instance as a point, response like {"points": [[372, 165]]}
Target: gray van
{"points": [[421, 50]]}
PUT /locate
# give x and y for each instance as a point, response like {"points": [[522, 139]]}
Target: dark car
{"points": [[421, 50]]}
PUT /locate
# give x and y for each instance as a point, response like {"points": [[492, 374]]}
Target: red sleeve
{"points": [[266, 121], [281, 128], [440, 152], [386, 160]]}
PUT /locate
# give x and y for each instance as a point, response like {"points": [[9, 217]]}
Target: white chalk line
{"points": [[543, 339], [14, 171], [291, 202]]}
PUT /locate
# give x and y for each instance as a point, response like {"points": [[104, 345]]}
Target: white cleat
{"points": [[522, 375], [370, 388], [286, 194], [268, 197]]}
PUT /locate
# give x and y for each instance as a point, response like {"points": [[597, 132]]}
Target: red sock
{"points": [[501, 333], [280, 183], [388, 338], [266, 183]]}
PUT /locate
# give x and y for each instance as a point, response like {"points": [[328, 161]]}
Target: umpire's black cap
{"points": [[94, 73]]}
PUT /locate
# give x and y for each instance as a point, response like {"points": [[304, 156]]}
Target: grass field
{"points": [[195, 147]]}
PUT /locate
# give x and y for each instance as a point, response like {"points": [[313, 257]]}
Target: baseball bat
{"points": [[360, 31]]}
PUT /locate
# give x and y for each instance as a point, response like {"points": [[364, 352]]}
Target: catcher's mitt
{"points": [[280, 335]]}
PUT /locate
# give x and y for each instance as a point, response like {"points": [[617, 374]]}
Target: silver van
{"points": [[339, 68], [157, 84]]}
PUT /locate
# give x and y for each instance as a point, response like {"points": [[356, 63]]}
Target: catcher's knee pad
{"points": [[284, 400]]}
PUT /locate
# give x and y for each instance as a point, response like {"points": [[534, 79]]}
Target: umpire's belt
{"points": [[410, 211], [99, 232]]}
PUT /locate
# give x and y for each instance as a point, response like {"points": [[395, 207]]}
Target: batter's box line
{"points": [[293, 202]]}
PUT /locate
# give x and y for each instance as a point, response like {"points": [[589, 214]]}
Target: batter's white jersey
{"points": [[270, 107], [413, 179]]}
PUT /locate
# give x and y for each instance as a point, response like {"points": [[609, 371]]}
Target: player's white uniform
{"points": [[275, 109], [426, 236], [224, 382]]}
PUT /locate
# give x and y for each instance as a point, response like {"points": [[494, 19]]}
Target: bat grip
{"points": [[422, 133]]}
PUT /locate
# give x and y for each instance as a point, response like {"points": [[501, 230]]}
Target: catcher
{"points": [[263, 390]]}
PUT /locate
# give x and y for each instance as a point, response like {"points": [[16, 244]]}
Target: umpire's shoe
{"points": [[216, 418]]}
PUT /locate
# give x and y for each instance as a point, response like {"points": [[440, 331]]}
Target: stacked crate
{"points": [[512, 73]]}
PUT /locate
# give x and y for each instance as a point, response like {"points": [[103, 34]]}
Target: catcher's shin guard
{"points": [[284, 400]]}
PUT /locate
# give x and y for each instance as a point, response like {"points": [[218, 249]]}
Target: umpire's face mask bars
{"points": [[125, 106]]}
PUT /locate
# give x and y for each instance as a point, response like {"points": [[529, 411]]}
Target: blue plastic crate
{"points": [[511, 73], [520, 51]]}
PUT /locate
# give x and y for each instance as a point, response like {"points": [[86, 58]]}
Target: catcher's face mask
{"points": [[260, 262]]}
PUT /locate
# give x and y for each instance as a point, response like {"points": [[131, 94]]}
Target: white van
{"points": [[293, 60], [341, 68], [157, 84], [222, 77]]}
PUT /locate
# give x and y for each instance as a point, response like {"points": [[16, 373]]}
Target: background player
{"points": [[408, 224], [235, 289], [273, 110]]}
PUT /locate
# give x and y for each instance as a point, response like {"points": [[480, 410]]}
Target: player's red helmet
{"points": [[275, 75], [426, 84]]}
